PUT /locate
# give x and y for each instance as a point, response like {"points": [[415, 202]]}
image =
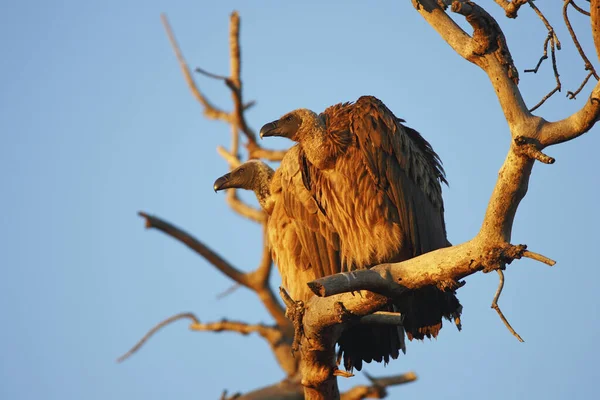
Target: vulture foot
{"points": [[295, 313]]}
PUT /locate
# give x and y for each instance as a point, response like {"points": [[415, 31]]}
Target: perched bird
{"points": [[293, 244], [371, 187]]}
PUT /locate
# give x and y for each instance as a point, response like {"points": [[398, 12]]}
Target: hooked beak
{"points": [[270, 129], [222, 183]]}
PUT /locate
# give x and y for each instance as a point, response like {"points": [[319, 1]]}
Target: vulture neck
{"points": [[261, 188], [321, 147]]}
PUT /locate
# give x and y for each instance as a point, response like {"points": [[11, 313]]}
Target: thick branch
{"points": [[495, 60], [209, 255], [595, 21], [377, 389], [249, 280], [577, 124]]}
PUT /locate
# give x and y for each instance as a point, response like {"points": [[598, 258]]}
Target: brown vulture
{"points": [[360, 189], [292, 243]]}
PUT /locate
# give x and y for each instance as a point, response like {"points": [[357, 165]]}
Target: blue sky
{"points": [[96, 123]]}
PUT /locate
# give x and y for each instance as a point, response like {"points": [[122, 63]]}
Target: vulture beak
{"points": [[221, 183], [270, 129]]}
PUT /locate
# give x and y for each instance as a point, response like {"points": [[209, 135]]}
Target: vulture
{"points": [[358, 189], [293, 243]]}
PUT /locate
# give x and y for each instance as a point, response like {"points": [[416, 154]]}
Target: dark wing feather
{"points": [[404, 166]]}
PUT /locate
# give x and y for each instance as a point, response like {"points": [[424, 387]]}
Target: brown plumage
{"points": [[370, 187], [293, 243]]}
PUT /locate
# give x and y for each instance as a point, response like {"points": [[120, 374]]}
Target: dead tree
{"points": [[311, 373]]}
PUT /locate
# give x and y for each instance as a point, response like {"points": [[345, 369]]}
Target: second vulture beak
{"points": [[221, 183], [270, 129]]}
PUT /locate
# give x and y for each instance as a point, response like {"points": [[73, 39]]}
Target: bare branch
{"points": [[393, 380], [228, 291], [595, 20], [558, 86], [382, 318], [235, 82], [539, 257], [194, 244], [573, 95], [552, 38], [511, 8], [268, 332], [266, 154], [529, 149], [494, 60], [496, 307], [377, 389], [254, 214], [232, 160], [551, 31], [542, 58], [210, 74], [155, 329], [581, 10], [588, 64], [577, 124], [210, 111]]}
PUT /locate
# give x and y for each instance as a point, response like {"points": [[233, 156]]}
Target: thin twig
{"points": [[210, 74], [551, 39], [235, 326], [581, 10], [383, 318], [539, 257], [233, 161], [549, 27], [543, 57], [228, 291], [572, 95], [155, 329], [496, 307], [588, 64], [556, 77], [210, 111]]}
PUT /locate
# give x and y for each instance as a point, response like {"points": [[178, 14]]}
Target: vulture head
{"points": [[309, 130], [295, 125], [252, 175]]}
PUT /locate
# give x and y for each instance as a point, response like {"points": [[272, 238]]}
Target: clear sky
{"points": [[96, 123]]}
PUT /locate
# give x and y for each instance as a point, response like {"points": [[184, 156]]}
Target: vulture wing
{"points": [[404, 167], [305, 247]]}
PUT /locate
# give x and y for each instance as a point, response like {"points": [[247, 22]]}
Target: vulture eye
{"points": [[288, 118], [241, 170]]}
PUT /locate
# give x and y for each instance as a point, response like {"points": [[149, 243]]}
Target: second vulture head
{"points": [[252, 175]]}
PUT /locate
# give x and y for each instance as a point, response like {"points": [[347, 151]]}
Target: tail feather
{"points": [[366, 343], [423, 311]]}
